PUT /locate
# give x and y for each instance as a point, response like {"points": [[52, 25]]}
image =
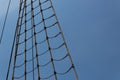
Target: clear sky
{"points": [[91, 29]]}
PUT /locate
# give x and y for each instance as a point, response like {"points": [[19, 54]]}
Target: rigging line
{"points": [[35, 40], [11, 55], [4, 24], [12, 47], [25, 41], [17, 41], [48, 42], [76, 75], [33, 63]]}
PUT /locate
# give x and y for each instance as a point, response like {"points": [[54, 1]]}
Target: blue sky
{"points": [[92, 31]]}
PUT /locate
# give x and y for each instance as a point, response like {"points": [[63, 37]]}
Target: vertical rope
{"points": [[65, 42], [17, 41], [35, 41], [25, 21], [32, 32], [13, 43], [43, 19]]}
